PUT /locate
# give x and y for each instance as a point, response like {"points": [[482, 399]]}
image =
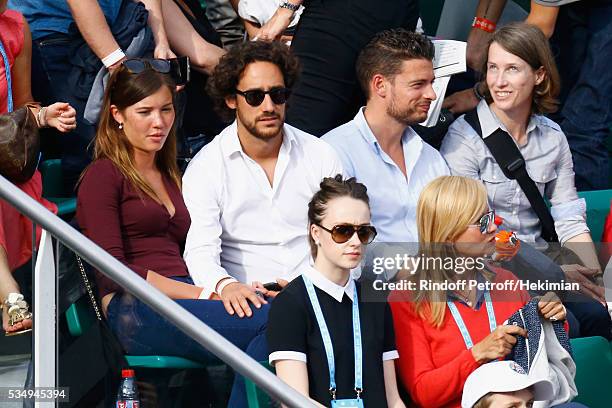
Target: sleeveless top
{"points": [[15, 228], [11, 35]]}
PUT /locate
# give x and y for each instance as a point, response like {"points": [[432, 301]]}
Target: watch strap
{"points": [[290, 6]]}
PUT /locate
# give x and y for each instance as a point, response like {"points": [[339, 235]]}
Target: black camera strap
{"points": [[512, 163]]}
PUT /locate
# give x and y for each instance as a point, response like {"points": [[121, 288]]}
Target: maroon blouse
{"points": [[130, 226]]}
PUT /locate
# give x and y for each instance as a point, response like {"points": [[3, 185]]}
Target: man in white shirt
{"points": [[248, 190], [378, 146]]}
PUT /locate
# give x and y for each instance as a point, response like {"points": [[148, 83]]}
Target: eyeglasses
{"points": [[343, 232], [255, 97], [484, 223], [138, 65]]}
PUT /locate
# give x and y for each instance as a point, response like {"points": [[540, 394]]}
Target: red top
{"points": [[434, 362], [132, 227], [607, 232], [12, 36], [15, 228]]}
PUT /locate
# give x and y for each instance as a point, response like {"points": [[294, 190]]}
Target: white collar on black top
{"points": [[332, 289]]}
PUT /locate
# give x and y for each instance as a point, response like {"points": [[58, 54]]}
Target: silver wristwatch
{"points": [[290, 6]]}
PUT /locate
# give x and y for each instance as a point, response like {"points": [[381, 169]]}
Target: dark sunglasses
{"points": [[138, 65], [255, 97], [485, 222], [343, 232]]}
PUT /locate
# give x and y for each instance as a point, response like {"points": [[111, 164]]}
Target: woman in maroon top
{"points": [[130, 203]]}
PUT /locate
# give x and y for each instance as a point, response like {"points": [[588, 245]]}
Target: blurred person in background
{"points": [[327, 41], [74, 39], [15, 228]]}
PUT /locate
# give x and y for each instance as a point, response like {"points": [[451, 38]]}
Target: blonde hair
{"points": [[124, 90], [485, 401], [446, 206]]}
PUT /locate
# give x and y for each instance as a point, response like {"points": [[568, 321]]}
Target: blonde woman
{"points": [[453, 219]]}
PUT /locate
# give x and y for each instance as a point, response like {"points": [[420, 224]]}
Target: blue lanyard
{"points": [[329, 350], [7, 74], [464, 331]]}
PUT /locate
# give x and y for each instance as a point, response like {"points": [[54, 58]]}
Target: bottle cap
{"points": [[498, 220], [127, 373]]}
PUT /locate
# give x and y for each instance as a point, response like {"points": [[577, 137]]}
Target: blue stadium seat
{"points": [[51, 171], [593, 357], [598, 207]]}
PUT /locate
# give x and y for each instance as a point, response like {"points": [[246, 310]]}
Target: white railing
{"points": [[45, 350], [44, 357]]}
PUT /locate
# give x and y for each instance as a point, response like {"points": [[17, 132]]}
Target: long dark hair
{"points": [[125, 89]]}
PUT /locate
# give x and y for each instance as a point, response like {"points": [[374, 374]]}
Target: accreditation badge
{"points": [[347, 403]]}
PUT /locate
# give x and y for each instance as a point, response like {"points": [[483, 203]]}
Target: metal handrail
{"points": [[118, 272]]}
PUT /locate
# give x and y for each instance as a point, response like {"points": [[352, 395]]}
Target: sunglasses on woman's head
{"points": [[138, 65], [341, 233], [255, 97]]}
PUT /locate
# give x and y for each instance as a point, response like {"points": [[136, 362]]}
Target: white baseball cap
{"points": [[503, 376]]}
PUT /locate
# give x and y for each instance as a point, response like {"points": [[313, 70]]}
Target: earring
{"points": [[120, 126], [317, 243]]}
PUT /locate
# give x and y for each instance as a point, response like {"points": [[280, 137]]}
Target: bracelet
{"points": [[290, 6], [41, 117], [223, 283], [484, 24], [113, 58], [477, 93]]}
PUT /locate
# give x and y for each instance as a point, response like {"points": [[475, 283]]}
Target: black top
{"points": [[292, 326]]}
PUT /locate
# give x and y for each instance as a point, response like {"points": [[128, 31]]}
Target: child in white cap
{"points": [[504, 384]]}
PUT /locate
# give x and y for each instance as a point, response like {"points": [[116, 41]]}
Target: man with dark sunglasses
{"points": [[248, 190]]}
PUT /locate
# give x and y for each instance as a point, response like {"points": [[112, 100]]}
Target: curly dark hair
{"points": [[331, 188], [227, 73], [387, 50]]}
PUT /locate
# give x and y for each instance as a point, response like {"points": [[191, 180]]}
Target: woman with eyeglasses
{"points": [[324, 339], [130, 203], [444, 335]]}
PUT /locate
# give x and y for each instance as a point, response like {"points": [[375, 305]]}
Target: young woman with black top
{"points": [[319, 324]]}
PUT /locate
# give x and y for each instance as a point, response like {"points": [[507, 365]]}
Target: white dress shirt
{"points": [[241, 226], [393, 196]]}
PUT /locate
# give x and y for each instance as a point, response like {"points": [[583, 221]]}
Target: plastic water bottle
{"points": [[127, 396]]}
